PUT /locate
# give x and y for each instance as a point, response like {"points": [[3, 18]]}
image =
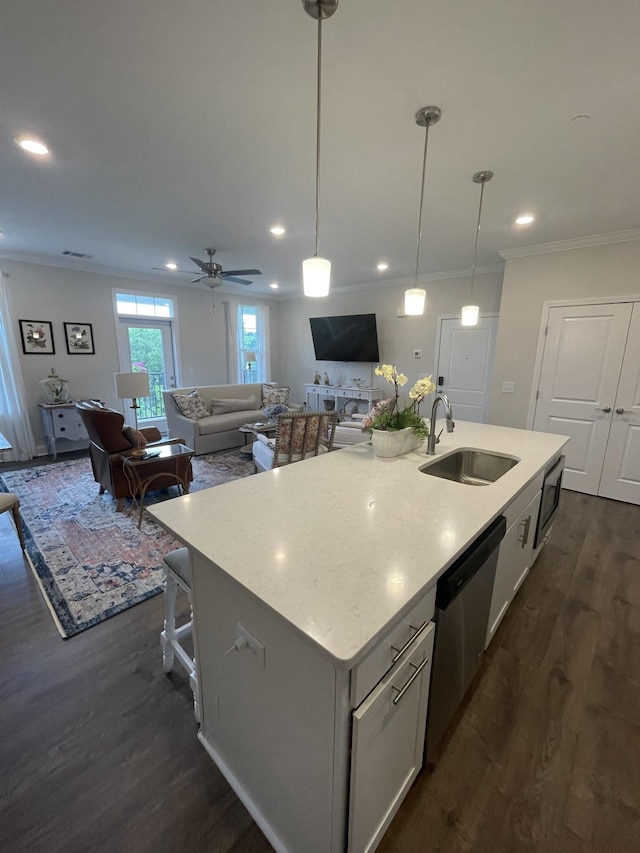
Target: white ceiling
{"points": [[180, 125]]}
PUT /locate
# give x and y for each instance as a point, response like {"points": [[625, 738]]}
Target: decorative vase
{"points": [[389, 443]]}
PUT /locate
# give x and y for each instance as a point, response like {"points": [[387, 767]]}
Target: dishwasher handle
{"points": [[457, 576]]}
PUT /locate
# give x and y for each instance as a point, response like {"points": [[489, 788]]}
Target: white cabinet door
{"points": [[581, 365], [388, 746], [514, 561], [621, 470]]}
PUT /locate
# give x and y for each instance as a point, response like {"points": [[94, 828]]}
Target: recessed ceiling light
{"points": [[278, 230], [32, 146], [525, 219], [274, 285], [171, 266], [382, 266]]}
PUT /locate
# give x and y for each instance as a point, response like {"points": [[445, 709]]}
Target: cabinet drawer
{"points": [[67, 424], [380, 659], [387, 745], [521, 501]]}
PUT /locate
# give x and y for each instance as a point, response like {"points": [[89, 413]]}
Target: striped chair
{"points": [[299, 435]]}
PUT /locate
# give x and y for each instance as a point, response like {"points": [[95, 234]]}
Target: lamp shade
{"points": [[414, 301], [130, 385], [470, 315], [249, 357], [316, 276]]}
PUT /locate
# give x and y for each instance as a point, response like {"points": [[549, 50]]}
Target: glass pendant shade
{"points": [[316, 276], [414, 301], [470, 315]]}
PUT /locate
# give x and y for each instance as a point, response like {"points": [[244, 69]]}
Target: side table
{"points": [[139, 483], [265, 427]]}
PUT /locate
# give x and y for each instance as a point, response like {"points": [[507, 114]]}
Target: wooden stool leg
{"points": [[170, 591], [15, 509]]}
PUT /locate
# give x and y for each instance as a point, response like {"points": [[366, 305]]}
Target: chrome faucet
{"points": [[432, 440]]}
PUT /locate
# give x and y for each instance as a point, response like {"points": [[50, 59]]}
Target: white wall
{"points": [[609, 270], [38, 292], [397, 337]]}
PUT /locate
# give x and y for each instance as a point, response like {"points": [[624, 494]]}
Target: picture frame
{"points": [[37, 337], [79, 338]]}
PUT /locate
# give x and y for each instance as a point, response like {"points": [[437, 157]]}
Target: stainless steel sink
{"points": [[471, 467]]}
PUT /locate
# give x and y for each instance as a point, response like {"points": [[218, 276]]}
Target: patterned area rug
{"points": [[90, 561]]}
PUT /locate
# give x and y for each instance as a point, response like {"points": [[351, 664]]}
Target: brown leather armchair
{"points": [[108, 444]]}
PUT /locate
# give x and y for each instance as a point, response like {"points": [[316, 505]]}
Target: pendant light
{"points": [[316, 271], [470, 312], [415, 296]]}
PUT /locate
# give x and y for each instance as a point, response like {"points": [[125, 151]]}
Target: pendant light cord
{"points": [[318, 128], [424, 169], [475, 248]]}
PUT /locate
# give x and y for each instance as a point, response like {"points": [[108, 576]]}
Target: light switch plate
{"points": [[417, 353], [508, 387]]}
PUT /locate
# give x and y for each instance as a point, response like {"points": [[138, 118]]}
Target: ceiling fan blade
{"points": [[196, 280], [236, 280], [202, 264], [227, 273], [164, 269]]}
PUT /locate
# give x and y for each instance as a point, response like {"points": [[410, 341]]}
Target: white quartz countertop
{"points": [[340, 546]]}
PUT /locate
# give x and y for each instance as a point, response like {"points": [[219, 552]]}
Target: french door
{"points": [[589, 389], [147, 346]]}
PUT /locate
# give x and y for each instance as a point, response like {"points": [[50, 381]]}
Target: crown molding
{"points": [[573, 243]]}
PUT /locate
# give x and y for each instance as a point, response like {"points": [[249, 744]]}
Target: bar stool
{"points": [[10, 501], [177, 572]]}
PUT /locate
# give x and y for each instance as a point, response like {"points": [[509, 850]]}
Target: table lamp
{"points": [[249, 358], [134, 386]]}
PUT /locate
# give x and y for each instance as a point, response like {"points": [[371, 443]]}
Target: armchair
{"points": [[298, 436], [108, 443]]}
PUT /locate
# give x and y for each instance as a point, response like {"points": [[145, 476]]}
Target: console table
{"points": [[61, 420], [342, 393]]}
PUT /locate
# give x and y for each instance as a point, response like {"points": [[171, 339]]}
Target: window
{"points": [[141, 305], [248, 343]]}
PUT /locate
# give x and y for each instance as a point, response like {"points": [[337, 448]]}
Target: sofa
{"points": [[215, 413]]}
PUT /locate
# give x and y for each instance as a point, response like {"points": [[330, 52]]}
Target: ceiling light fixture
{"points": [[33, 146], [415, 296], [277, 230], [274, 285], [382, 267], [316, 271], [470, 312], [171, 266], [525, 219]]}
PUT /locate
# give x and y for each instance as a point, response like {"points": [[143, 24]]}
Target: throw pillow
{"points": [[222, 407], [271, 395], [191, 405], [134, 437]]}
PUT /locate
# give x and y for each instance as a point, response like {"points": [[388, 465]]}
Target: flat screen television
{"points": [[353, 337]]}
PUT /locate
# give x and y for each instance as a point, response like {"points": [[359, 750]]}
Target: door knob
{"points": [[619, 411], [606, 409]]}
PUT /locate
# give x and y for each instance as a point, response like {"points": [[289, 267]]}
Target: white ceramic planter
{"points": [[389, 443]]}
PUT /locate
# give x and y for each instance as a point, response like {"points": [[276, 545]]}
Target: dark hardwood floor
{"points": [[98, 747]]}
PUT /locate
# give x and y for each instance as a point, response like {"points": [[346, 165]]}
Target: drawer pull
{"points": [[418, 670], [409, 642]]}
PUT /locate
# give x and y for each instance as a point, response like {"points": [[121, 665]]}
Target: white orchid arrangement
{"points": [[387, 414]]}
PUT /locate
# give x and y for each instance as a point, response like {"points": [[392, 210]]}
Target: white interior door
{"points": [[581, 364], [465, 365], [621, 469]]}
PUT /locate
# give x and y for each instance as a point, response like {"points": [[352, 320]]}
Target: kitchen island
{"points": [[308, 581]]}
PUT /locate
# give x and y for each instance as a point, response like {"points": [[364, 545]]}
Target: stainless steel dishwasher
{"points": [[463, 600]]}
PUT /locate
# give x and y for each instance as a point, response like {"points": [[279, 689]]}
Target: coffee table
{"points": [[133, 467], [264, 427]]}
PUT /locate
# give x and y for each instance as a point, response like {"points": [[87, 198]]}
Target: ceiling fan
{"points": [[213, 272]]}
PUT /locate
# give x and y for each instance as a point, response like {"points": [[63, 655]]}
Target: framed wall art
{"points": [[79, 338], [37, 337]]}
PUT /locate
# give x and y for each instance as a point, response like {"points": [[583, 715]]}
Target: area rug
{"points": [[90, 561]]}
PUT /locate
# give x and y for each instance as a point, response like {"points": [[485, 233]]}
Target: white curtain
{"points": [[233, 357], [264, 342], [14, 418]]}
